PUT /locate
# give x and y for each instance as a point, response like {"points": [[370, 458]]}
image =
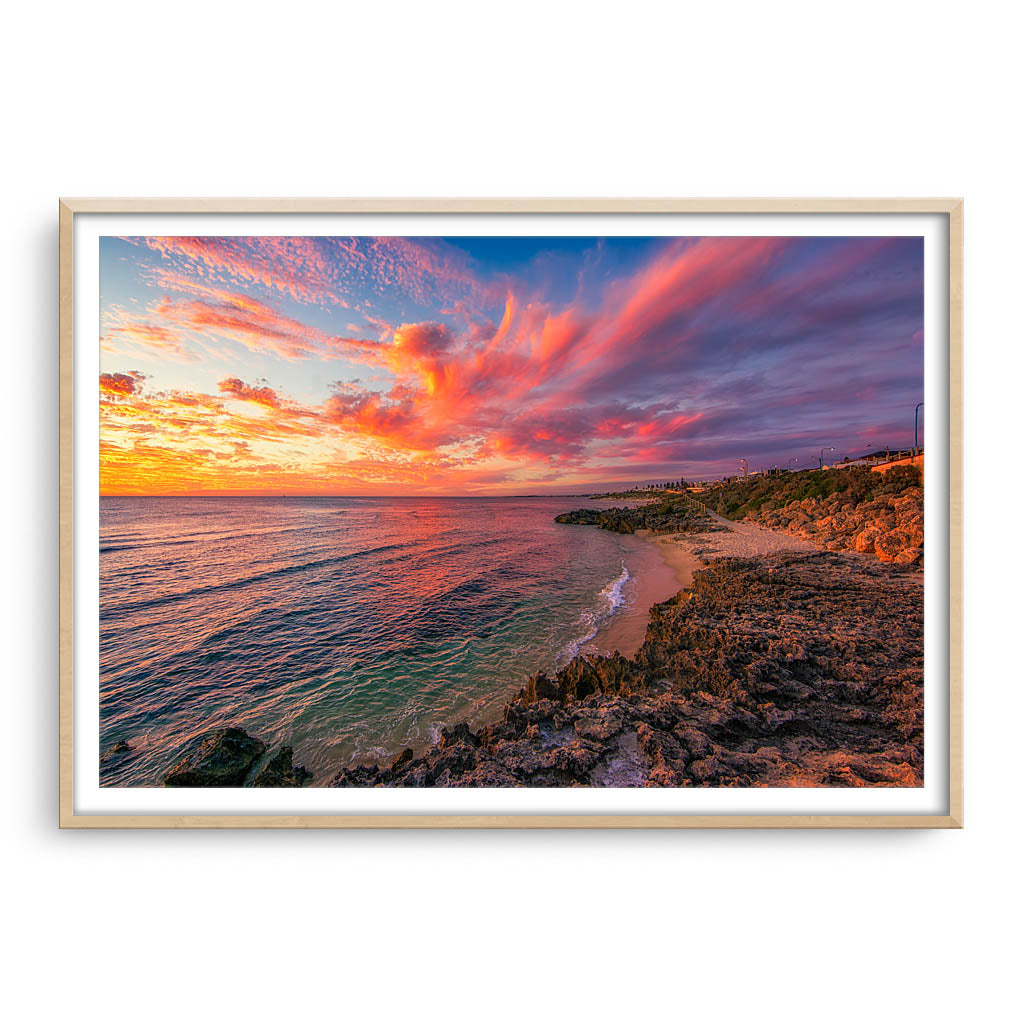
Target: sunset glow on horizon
{"points": [[488, 366]]}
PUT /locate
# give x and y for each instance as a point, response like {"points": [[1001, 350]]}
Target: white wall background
{"points": [[516, 99]]}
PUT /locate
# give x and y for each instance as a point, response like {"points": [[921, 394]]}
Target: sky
{"points": [[498, 365]]}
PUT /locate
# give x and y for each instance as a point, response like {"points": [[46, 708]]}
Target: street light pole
{"points": [[916, 409], [821, 458]]}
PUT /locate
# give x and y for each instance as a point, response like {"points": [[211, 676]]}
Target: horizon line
{"points": [[273, 494]]}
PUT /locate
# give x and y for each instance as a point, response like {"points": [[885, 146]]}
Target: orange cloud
{"points": [[261, 396], [451, 397], [121, 383]]}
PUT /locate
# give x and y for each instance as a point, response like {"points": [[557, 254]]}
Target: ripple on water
{"points": [[348, 628]]}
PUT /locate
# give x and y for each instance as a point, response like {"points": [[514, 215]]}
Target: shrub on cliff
{"points": [[869, 513], [739, 498]]}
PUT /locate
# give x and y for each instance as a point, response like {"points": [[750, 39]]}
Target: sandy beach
{"points": [[681, 555], [660, 571], [687, 552]]}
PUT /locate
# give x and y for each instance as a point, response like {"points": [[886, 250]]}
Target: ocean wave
{"points": [[351, 641], [105, 547], [261, 577], [573, 647], [230, 536], [612, 597], [613, 593]]}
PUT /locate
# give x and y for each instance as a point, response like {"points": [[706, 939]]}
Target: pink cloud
{"points": [[182, 326], [327, 271], [296, 267]]}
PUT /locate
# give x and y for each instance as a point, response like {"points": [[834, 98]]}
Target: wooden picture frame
{"points": [[951, 210]]}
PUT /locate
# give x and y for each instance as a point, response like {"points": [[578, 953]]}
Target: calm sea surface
{"points": [[346, 627]]}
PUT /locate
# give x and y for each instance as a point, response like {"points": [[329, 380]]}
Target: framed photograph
{"points": [[510, 513]]}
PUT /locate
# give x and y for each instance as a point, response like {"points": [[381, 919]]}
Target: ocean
{"points": [[348, 628]]}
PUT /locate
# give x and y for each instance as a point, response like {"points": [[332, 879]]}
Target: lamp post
{"points": [[744, 461], [916, 410], [821, 457]]}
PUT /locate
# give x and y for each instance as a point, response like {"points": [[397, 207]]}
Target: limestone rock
{"points": [[598, 727], [669, 515], [280, 772], [460, 733], [885, 526], [220, 757]]}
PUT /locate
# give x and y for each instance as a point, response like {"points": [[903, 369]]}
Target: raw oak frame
{"points": [[952, 208]]}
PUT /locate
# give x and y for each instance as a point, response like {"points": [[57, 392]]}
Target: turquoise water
{"points": [[347, 627]]}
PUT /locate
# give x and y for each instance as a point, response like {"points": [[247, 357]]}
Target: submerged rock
{"points": [[280, 772], [220, 757], [118, 752]]}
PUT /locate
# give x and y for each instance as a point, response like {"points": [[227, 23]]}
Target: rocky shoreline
{"points": [[790, 670], [793, 668], [663, 517], [227, 756]]}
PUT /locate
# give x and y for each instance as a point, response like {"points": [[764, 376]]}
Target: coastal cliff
{"points": [[836, 510], [890, 527]]}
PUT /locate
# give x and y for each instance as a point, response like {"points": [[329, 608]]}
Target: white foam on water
{"points": [[613, 597], [613, 593]]}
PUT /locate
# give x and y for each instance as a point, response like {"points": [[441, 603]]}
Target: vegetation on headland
{"points": [[880, 514], [739, 498], [645, 493]]}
